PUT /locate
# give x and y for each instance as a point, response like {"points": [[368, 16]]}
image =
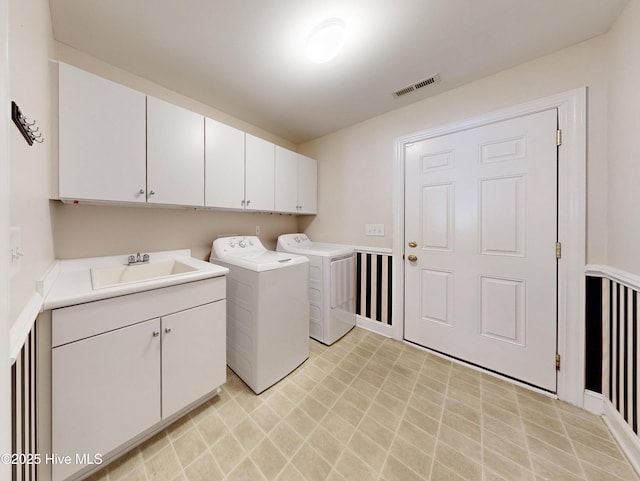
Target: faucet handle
{"points": [[131, 259], [145, 258]]}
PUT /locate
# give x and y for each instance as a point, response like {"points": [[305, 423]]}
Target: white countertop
{"points": [[72, 282]]}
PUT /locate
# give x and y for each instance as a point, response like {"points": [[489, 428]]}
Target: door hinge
{"points": [[558, 137], [558, 250], [557, 362]]}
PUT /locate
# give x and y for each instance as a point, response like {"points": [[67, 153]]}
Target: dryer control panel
{"points": [[288, 241]]}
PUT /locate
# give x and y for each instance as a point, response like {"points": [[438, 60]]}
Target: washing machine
{"points": [[332, 285], [267, 310]]}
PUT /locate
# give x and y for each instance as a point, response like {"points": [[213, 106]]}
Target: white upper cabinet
{"points": [[224, 166], [175, 155], [296, 183], [118, 145], [101, 139], [307, 185], [286, 180], [259, 174]]}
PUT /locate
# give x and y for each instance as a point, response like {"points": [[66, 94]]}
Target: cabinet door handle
{"points": [[151, 192], [141, 191], [167, 330], [242, 202], [248, 202], [156, 333]]}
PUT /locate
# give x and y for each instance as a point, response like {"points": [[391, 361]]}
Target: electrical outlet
{"points": [[374, 229]]}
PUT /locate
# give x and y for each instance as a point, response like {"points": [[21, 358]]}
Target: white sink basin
{"points": [[123, 274]]}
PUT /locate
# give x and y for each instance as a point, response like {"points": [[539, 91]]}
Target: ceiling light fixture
{"points": [[326, 40]]}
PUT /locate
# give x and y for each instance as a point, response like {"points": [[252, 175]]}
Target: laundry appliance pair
{"points": [[276, 300]]}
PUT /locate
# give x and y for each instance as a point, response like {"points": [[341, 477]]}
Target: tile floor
{"points": [[369, 408]]}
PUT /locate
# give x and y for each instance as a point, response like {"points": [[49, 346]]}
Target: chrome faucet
{"points": [[137, 259]]}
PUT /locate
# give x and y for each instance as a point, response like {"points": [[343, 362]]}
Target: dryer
{"points": [[267, 310], [332, 285]]}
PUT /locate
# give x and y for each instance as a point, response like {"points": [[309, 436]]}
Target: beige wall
{"points": [[624, 142], [93, 230], [30, 46], [355, 164]]}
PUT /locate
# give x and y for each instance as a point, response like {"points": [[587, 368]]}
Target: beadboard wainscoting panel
{"points": [[612, 341], [620, 336], [373, 286], [593, 334], [23, 411]]}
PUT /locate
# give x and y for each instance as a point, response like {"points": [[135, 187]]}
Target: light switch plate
{"points": [[15, 235], [374, 229]]}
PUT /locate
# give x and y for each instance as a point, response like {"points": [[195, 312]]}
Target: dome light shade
{"points": [[326, 40]]}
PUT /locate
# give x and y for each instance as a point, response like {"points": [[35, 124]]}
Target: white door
{"points": [[481, 208], [175, 154]]}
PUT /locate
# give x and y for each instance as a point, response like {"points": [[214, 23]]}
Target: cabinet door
{"points": [[307, 185], [286, 181], [105, 391], [224, 166], [259, 174], [194, 356], [175, 154], [101, 138]]}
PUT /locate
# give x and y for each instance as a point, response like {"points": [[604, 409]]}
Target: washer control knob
{"points": [[242, 243]]}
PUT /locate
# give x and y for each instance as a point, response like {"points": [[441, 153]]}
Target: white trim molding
{"points": [[374, 326], [572, 112], [622, 277], [623, 434], [593, 402], [29, 314], [5, 376]]}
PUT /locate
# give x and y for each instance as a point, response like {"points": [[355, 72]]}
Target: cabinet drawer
{"points": [[84, 320]]}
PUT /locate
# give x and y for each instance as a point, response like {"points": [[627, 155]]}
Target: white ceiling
{"points": [[246, 57]]}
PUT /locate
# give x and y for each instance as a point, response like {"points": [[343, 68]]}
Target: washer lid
{"points": [[248, 252], [301, 244]]}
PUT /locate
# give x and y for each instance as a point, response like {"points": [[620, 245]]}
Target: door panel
{"points": [[481, 205]]}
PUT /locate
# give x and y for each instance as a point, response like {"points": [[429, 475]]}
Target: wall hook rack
{"points": [[29, 131]]}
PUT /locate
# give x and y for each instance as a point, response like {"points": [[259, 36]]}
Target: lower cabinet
{"points": [[110, 388], [193, 359], [105, 391]]}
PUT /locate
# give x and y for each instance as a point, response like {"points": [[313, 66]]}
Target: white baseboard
{"points": [[593, 402], [623, 434], [374, 326]]}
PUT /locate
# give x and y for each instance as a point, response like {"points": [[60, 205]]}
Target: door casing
{"points": [[572, 176]]}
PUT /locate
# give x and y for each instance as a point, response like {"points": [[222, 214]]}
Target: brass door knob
{"points": [[413, 244], [412, 258]]}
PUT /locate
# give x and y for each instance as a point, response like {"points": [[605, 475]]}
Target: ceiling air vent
{"points": [[418, 85]]}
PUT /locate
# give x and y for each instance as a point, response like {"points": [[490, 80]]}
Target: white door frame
{"points": [[5, 378], [572, 178]]}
